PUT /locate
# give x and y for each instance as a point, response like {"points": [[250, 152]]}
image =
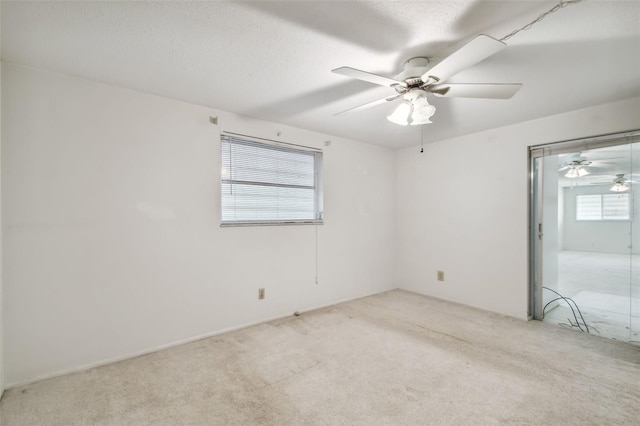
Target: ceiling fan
{"points": [[418, 79], [620, 183], [579, 166]]}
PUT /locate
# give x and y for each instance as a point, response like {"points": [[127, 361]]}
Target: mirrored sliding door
{"points": [[585, 236]]}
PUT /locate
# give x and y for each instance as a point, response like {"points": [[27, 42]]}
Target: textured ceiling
{"points": [[272, 60]]}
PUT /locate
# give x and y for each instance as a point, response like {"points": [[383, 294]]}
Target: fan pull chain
{"points": [[563, 3]]}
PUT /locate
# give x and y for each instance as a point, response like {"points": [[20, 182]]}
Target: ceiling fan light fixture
{"points": [[572, 173], [619, 187], [422, 111], [418, 119], [402, 114], [414, 109], [576, 172]]}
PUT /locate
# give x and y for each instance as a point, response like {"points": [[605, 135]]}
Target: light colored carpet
{"points": [[393, 358]]}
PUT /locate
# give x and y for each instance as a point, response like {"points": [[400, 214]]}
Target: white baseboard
{"points": [[108, 361]]}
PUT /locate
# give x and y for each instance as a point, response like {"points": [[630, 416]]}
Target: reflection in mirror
{"points": [[590, 251]]}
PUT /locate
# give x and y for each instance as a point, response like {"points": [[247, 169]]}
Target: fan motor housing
{"points": [[413, 69]]}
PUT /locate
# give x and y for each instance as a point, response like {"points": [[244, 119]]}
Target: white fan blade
{"points": [[367, 76], [605, 162], [370, 104], [488, 91], [476, 50], [608, 182]]}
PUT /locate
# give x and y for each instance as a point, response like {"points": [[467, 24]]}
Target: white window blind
{"points": [[602, 207], [615, 207], [269, 183], [589, 207]]}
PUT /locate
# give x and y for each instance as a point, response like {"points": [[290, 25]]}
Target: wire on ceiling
{"points": [[554, 9]]}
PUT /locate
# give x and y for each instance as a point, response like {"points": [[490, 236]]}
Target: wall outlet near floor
{"points": [[261, 293], [440, 275]]}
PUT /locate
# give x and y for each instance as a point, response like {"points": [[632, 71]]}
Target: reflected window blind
{"points": [[266, 183], [615, 207], [602, 207], [589, 207]]}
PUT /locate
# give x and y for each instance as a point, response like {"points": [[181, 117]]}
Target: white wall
{"points": [[599, 236], [111, 226], [463, 207]]}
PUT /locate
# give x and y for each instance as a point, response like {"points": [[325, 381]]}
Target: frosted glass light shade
{"points": [[422, 115], [619, 187], [582, 172], [575, 172], [414, 110], [422, 111], [402, 114]]}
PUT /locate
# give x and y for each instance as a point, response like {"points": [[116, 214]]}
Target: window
{"points": [[265, 182], [602, 207]]}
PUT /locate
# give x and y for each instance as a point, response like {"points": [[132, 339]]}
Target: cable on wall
{"points": [[316, 252]]}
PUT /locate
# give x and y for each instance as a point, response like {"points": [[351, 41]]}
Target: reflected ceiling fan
{"points": [[418, 79], [576, 168], [620, 183], [579, 166]]}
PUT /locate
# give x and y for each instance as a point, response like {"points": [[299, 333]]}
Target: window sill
{"points": [[272, 223]]}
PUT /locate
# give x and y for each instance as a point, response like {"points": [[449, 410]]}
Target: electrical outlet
{"points": [[440, 275], [261, 293]]}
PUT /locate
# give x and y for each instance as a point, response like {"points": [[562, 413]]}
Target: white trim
{"points": [[272, 223], [455, 302], [281, 144], [583, 144]]}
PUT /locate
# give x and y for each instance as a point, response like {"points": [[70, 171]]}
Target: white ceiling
{"points": [[273, 60]]}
